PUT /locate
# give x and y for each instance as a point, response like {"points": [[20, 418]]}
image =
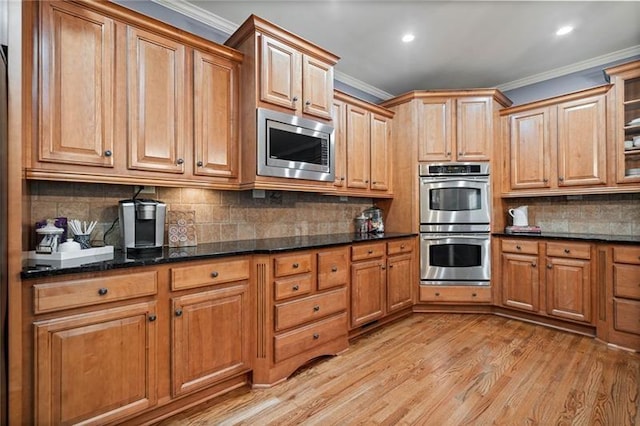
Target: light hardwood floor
{"points": [[447, 369]]}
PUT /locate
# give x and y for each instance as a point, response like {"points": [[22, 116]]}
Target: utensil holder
{"points": [[84, 240]]}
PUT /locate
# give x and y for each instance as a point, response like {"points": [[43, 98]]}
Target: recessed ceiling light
{"points": [[407, 38], [564, 30]]}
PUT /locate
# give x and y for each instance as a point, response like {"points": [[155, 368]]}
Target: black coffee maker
{"points": [[142, 225]]}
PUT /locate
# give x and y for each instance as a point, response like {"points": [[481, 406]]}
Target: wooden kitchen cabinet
{"points": [[520, 281], [368, 296], [558, 145], [401, 274], [340, 142]]}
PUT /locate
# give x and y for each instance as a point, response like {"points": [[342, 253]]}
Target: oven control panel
{"points": [[452, 169]]}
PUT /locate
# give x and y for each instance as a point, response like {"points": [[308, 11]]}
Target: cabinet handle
{"points": [[295, 99], [374, 183], [316, 336], [214, 274], [390, 266], [108, 153], [549, 266], [545, 180], [366, 181], [199, 164], [102, 291], [180, 161], [518, 248], [437, 293], [460, 154], [473, 294], [295, 287], [534, 264], [296, 266], [383, 267], [402, 247], [334, 269], [307, 103], [560, 179], [316, 308], [342, 178], [178, 312], [449, 154], [567, 251], [370, 252], [152, 317]]}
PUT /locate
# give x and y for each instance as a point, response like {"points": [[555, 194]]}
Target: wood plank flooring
{"points": [[447, 369]]}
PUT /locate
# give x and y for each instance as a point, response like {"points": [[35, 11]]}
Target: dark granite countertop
{"points": [[211, 250], [606, 238]]}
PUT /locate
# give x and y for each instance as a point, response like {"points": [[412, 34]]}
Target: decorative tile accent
{"points": [[181, 228]]}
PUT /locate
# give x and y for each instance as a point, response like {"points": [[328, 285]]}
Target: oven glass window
{"points": [[297, 147], [455, 255], [455, 199]]}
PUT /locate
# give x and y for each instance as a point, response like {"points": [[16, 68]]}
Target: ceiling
{"points": [[458, 44]]}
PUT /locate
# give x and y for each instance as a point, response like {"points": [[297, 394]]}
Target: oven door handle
{"points": [[427, 181], [460, 237]]}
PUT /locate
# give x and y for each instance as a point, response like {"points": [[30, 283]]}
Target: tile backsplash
{"points": [[617, 214], [220, 215]]}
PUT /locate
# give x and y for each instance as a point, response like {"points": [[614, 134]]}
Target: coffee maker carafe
{"points": [[142, 224]]}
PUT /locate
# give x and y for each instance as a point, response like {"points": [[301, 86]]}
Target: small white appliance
{"points": [[520, 216]]}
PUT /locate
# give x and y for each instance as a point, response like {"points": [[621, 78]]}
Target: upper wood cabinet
{"points": [[126, 99], [77, 84], [624, 120], [363, 151], [556, 145]]}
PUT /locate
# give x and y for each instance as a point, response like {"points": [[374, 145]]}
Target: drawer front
{"points": [[399, 247], [520, 246], [455, 294], [572, 250], [92, 291], [291, 314], [293, 286], [626, 281], [367, 251], [292, 264], [626, 255], [217, 272], [333, 268], [317, 334], [626, 316]]}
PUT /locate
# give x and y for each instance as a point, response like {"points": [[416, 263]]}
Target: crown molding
{"points": [[361, 85], [199, 14], [569, 69]]}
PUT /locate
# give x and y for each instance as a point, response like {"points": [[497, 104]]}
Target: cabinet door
{"points": [[435, 131], [474, 133], [156, 102], [280, 73], [210, 337], [520, 282], [95, 367], [400, 282], [317, 87], [340, 143], [530, 149], [569, 288], [367, 292], [77, 86], [358, 147], [380, 173], [582, 142], [215, 92]]}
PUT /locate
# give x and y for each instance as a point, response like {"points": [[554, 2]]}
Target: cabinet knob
{"points": [[295, 287], [102, 291], [214, 274], [460, 153], [178, 312], [334, 269], [437, 293], [449, 154], [199, 163], [296, 266], [316, 336], [366, 181], [567, 251], [295, 99], [474, 294], [390, 266], [152, 317], [342, 178], [402, 247], [108, 153], [560, 179], [545, 180], [518, 248], [383, 267], [370, 252], [374, 182], [549, 266], [180, 161], [316, 308], [307, 103], [534, 264]]}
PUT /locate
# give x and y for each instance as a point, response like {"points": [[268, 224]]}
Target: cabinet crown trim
{"points": [[377, 109], [496, 94], [594, 91]]}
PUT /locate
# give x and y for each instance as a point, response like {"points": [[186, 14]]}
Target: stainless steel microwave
{"points": [[294, 147]]}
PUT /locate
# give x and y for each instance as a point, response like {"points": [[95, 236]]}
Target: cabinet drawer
{"points": [[457, 294], [293, 286], [520, 246], [626, 255], [217, 272], [399, 247], [367, 251], [291, 314], [626, 315], [92, 291], [333, 268], [626, 281], [293, 264], [303, 339], [572, 250]]}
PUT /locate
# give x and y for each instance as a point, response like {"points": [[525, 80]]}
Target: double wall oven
{"points": [[455, 203]]}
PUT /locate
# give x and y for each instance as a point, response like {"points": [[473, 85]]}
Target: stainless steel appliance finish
{"points": [[142, 223], [294, 147], [455, 214], [449, 196]]}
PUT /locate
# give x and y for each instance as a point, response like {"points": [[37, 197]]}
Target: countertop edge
{"points": [[599, 238]]}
